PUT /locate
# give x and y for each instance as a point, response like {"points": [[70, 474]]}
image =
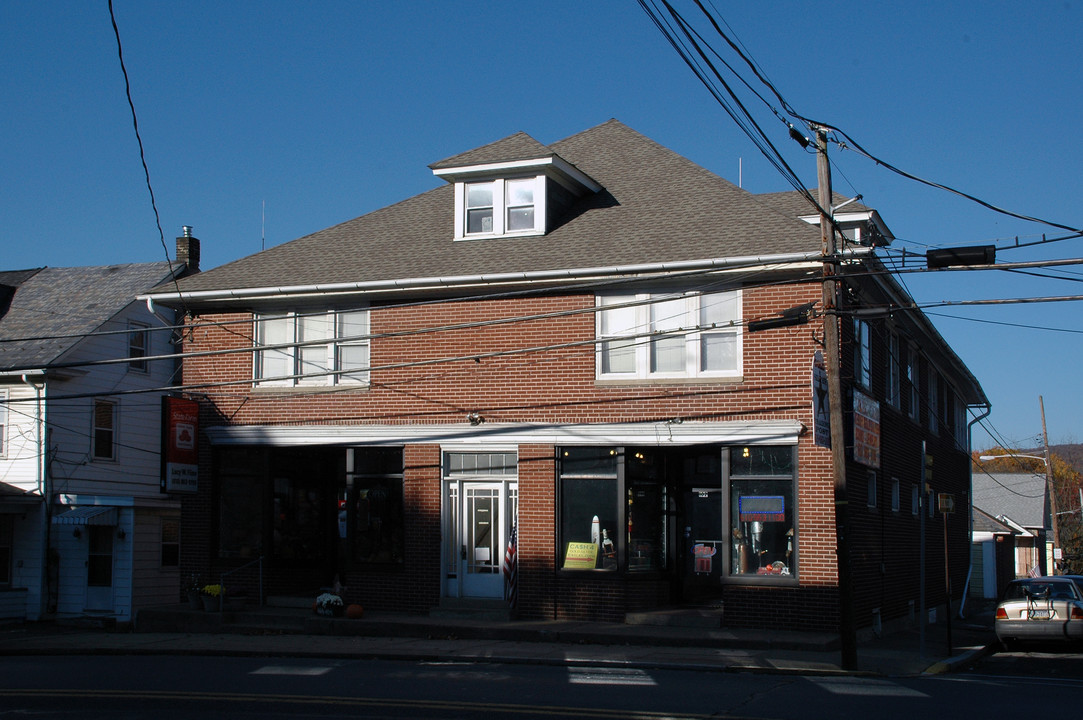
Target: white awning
{"points": [[88, 515]]}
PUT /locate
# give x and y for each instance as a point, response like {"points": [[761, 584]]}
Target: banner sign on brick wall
{"points": [[821, 416], [180, 451], [866, 430]]}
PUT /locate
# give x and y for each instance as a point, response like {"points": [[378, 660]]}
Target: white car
{"points": [[1042, 609]]}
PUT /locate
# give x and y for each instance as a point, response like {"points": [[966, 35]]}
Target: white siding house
{"points": [[81, 501]]}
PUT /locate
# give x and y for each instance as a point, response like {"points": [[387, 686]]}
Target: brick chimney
{"points": [[188, 250]]}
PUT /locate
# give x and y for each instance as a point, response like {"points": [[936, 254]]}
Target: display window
{"points": [[761, 493]]}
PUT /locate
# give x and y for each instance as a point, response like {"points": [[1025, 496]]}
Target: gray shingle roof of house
{"points": [[54, 306], [984, 522], [1018, 496], [513, 148], [656, 206]]}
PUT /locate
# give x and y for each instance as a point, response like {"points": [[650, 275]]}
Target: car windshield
{"points": [[1040, 590]]}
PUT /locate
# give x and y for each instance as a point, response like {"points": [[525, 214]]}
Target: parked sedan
{"points": [[1043, 609]]}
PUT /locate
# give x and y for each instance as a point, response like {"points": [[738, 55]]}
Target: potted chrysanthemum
{"points": [[212, 597], [329, 605]]}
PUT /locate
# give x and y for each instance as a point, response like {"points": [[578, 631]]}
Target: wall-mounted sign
{"points": [[866, 430], [821, 411], [180, 447]]}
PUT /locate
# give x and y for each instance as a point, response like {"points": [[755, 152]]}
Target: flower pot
{"points": [[195, 601], [212, 603]]}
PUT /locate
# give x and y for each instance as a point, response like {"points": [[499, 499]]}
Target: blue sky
{"points": [[266, 121]]}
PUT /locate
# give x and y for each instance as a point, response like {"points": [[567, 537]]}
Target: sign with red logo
{"points": [[180, 447]]}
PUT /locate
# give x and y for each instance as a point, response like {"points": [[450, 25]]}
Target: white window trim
{"points": [[689, 328], [500, 208], [331, 376], [895, 499]]}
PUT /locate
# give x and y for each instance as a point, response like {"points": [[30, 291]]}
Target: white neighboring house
{"points": [[1019, 501], [85, 529]]}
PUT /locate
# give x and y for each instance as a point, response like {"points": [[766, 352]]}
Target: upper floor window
{"points": [[934, 402], [3, 423], [862, 353], [959, 409], [660, 335], [138, 336], [322, 348], [503, 206], [913, 395], [894, 374], [104, 431]]}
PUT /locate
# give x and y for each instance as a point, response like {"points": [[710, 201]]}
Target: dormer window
{"points": [[515, 187], [502, 206]]}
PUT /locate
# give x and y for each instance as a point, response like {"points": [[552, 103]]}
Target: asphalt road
{"points": [[168, 687]]}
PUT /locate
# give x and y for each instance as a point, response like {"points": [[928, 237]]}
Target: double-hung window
{"points": [[934, 402], [894, 374], [862, 354], [138, 337], [502, 206], [669, 335], [914, 394], [3, 423], [104, 430], [312, 348]]}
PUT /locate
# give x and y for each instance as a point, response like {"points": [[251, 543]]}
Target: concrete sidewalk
{"points": [[424, 638]]}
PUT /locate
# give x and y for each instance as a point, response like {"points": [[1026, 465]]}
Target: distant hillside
{"points": [[1071, 454]]}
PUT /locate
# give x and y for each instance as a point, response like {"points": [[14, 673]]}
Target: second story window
{"points": [[667, 335], [138, 341], [322, 348], [3, 423], [862, 354], [104, 431]]}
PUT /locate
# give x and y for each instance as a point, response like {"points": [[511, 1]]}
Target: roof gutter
{"points": [[452, 281]]}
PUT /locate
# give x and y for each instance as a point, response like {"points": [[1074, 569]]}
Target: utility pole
{"points": [[1049, 488], [847, 625]]}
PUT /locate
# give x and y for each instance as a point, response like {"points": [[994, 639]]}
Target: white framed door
{"points": [[480, 501], [482, 539]]}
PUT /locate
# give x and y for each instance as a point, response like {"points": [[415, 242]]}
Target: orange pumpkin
{"points": [[355, 612]]}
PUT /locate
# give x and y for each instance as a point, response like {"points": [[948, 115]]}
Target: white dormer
{"points": [[513, 198]]}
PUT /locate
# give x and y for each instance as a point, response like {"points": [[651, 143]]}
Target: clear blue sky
{"points": [[323, 111]]}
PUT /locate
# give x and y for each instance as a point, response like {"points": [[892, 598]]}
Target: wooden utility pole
{"points": [[1049, 488], [847, 625]]}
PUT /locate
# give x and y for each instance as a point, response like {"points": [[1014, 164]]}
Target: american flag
{"points": [[511, 570]]}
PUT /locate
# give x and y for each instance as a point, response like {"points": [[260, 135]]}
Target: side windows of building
{"points": [[862, 354], [648, 336], [103, 436], [312, 348], [138, 346], [3, 423]]}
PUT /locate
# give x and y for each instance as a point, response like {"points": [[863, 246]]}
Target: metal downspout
{"points": [[970, 505]]}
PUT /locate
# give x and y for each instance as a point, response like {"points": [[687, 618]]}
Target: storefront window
{"points": [[589, 530], [241, 499], [373, 506], [761, 511], [647, 526]]}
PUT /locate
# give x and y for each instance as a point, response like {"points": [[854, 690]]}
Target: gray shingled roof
{"points": [[68, 302], [1019, 496], [656, 206]]}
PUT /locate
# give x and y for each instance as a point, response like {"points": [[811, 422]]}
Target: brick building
{"points": [[555, 342]]}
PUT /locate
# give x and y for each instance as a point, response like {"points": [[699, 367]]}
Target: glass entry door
{"points": [[480, 495], [482, 536]]}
